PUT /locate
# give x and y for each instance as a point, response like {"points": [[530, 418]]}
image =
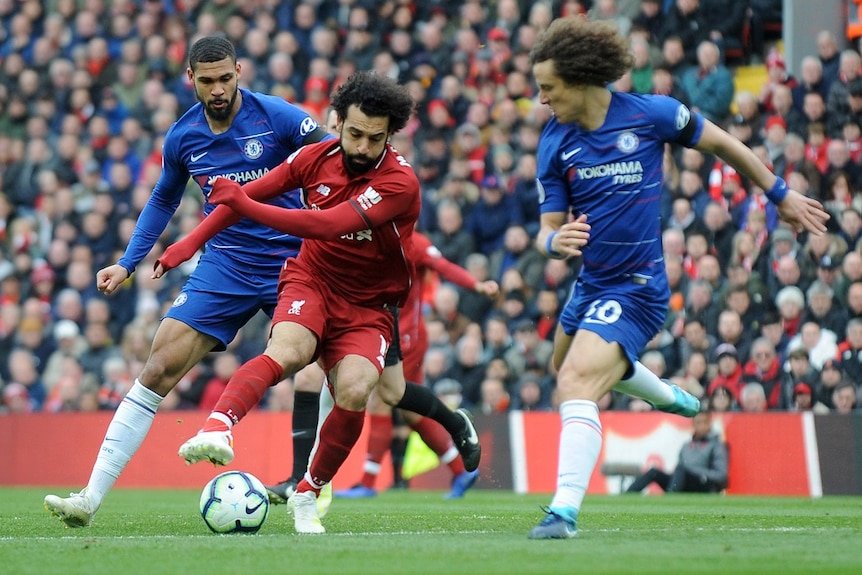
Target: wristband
{"points": [[551, 252], [778, 191]]}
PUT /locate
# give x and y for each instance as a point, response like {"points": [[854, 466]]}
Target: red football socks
{"points": [[245, 390]]}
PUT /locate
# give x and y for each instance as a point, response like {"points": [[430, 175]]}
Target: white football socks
{"points": [[126, 432], [580, 445], [646, 385]]}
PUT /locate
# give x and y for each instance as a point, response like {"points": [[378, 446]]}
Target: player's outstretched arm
{"points": [[800, 211]]}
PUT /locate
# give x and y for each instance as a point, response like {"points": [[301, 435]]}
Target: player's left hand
{"points": [[226, 192], [803, 213]]}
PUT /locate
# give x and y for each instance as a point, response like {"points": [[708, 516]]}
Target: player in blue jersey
{"points": [[239, 135], [600, 180]]}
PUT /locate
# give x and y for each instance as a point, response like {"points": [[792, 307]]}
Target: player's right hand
{"points": [[176, 254], [110, 278]]}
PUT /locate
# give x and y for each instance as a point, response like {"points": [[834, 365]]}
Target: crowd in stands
{"points": [[760, 317]]}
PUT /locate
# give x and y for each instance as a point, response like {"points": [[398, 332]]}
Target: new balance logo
{"points": [[566, 155], [195, 157]]}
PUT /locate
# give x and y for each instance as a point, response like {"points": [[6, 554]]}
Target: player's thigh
{"points": [[591, 368], [610, 329], [176, 348], [390, 387], [292, 345]]}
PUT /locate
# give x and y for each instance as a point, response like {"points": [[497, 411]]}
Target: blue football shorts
{"points": [[628, 313], [222, 295]]}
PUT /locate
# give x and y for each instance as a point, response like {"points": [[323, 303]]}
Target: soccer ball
{"points": [[234, 502]]}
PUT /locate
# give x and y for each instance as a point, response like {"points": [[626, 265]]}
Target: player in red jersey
{"points": [[363, 201], [414, 343]]}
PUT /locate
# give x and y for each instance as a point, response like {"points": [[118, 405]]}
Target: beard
{"points": [[219, 114], [356, 163]]}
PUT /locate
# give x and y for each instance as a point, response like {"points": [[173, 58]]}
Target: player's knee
{"points": [[352, 395]]}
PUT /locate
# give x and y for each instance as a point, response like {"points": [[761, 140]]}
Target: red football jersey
{"points": [[368, 267]]}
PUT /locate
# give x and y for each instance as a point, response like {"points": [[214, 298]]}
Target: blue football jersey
{"points": [[264, 133], [614, 175]]}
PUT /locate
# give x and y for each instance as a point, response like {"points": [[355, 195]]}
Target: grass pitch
{"points": [[402, 532]]}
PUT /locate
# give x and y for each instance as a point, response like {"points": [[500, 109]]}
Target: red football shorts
{"points": [[342, 328]]}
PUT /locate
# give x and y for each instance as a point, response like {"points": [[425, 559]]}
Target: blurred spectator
{"points": [[494, 397], [16, 399], [837, 102], [609, 12], [531, 393], [844, 398], [732, 331], [776, 69], [729, 375], [445, 310], [66, 334], [790, 303], [519, 253], [651, 17], [819, 343], [831, 376], [829, 56], [472, 304], [752, 398], [765, 368], [709, 85], [492, 214], [530, 352], [23, 370], [724, 21], [850, 350], [468, 368], [685, 20], [822, 306], [720, 400], [810, 81]]}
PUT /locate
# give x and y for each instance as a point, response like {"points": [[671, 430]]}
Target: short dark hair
{"points": [[584, 52], [376, 96], [211, 49]]}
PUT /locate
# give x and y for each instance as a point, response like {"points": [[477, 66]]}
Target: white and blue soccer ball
{"points": [[234, 502]]}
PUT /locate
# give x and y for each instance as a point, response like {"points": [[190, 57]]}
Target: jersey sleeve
{"points": [[675, 122], [160, 207], [550, 177], [427, 255], [297, 122]]}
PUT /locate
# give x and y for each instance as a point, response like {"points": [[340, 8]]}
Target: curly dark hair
{"points": [[584, 53], [211, 49], [376, 96]]}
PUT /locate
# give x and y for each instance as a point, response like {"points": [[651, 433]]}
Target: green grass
{"points": [[160, 532]]}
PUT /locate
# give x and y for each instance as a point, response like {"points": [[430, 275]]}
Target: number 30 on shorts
{"points": [[603, 311]]}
